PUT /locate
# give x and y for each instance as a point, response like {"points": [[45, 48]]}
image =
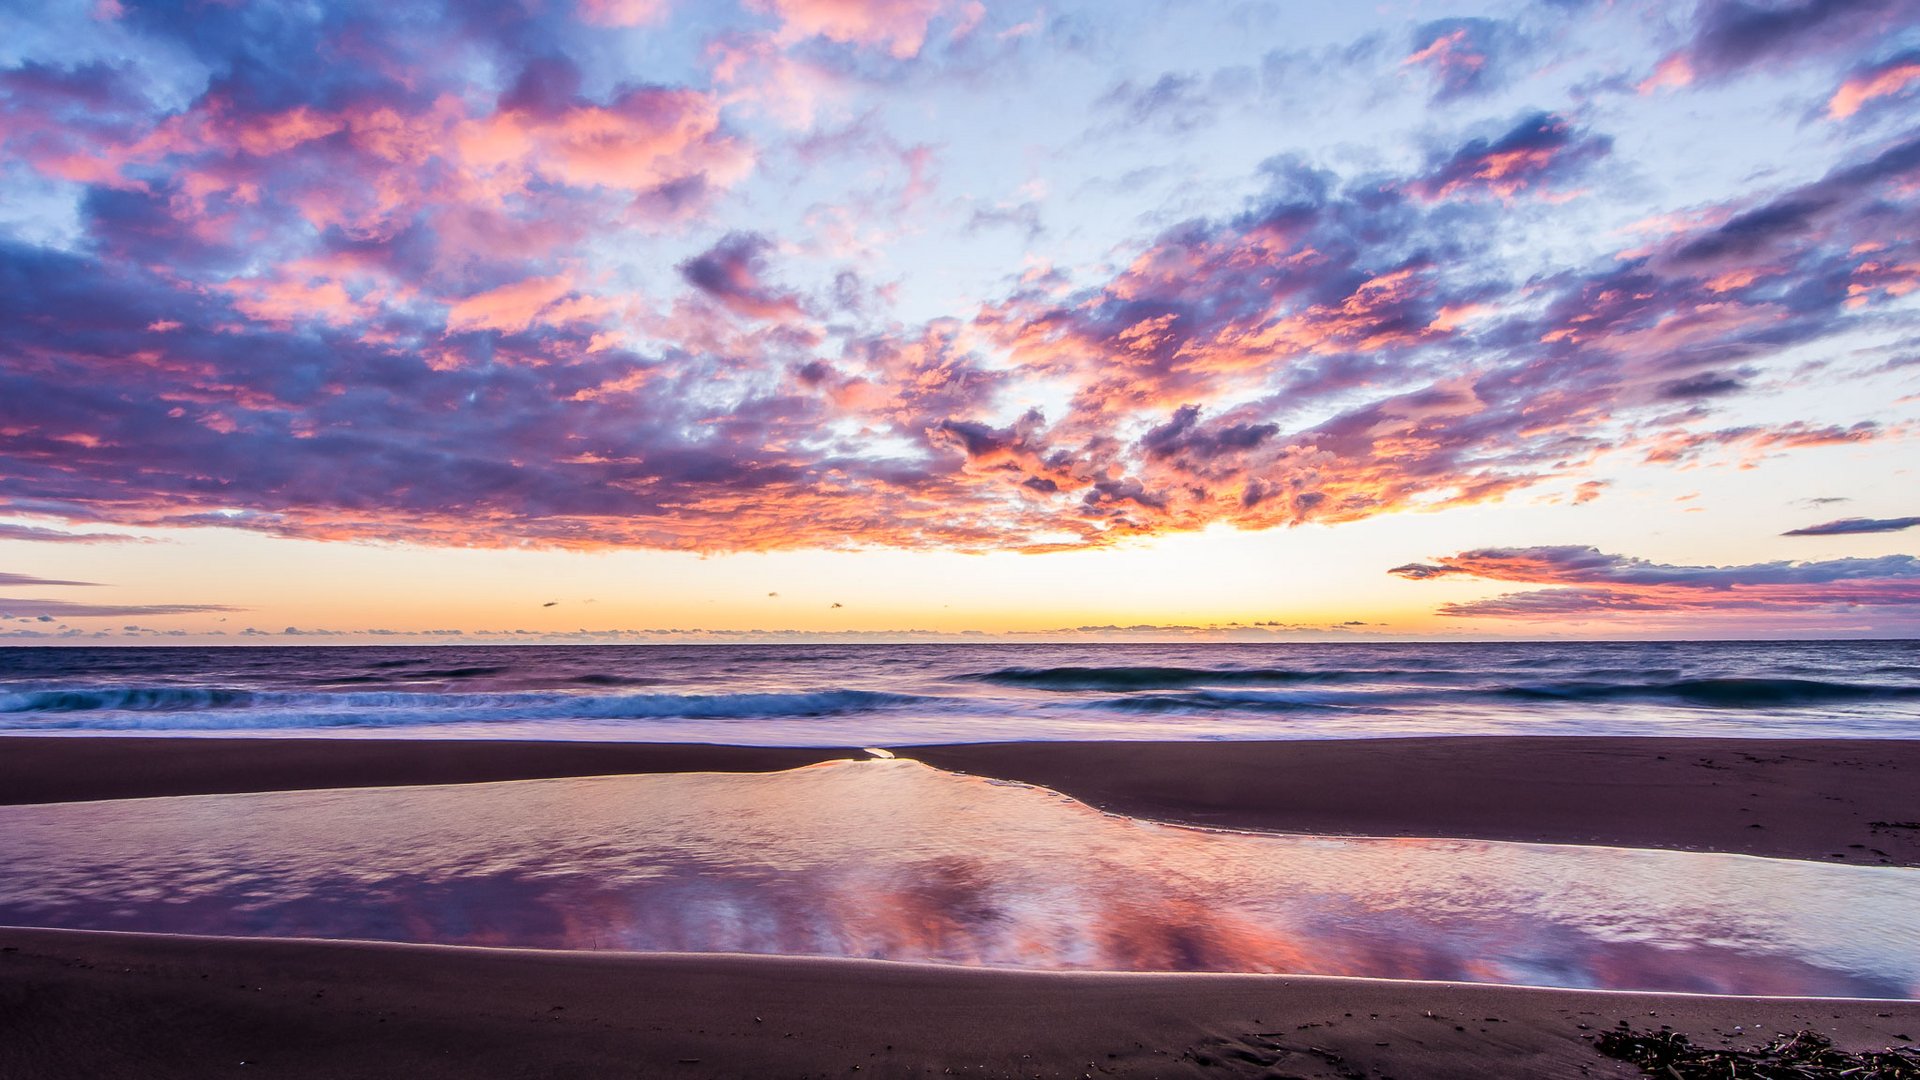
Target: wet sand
{"points": [[101, 1005], [36, 769], [80, 1004], [1840, 800], [1834, 800]]}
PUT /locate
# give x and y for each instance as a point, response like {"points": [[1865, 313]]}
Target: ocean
{"points": [[838, 695]]}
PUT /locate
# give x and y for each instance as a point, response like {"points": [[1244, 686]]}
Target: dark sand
{"points": [[78, 1004], [96, 1005], [36, 769], [1810, 799], [1802, 799]]}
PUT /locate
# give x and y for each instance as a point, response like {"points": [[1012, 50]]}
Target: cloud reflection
{"points": [[895, 860]]}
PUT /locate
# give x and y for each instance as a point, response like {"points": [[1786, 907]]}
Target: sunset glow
{"points": [[637, 320]]}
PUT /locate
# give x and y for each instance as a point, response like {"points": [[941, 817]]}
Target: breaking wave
{"points": [[1722, 693], [1693, 693], [203, 708]]}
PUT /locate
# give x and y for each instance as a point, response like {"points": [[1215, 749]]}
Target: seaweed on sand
{"points": [[1805, 1055]]}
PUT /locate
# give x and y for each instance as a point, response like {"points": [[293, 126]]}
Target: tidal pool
{"points": [[892, 859]]}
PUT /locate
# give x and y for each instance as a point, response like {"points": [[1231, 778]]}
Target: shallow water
{"points": [[897, 860], [818, 695]]}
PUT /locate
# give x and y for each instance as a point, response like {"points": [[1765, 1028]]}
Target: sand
{"points": [[107, 1005], [1811, 799], [1802, 799], [35, 769], [104, 1005]]}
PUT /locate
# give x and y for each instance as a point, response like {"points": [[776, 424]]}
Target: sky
{"points": [[633, 320]]}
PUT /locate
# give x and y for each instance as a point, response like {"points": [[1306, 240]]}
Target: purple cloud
{"points": [[1732, 35], [347, 290], [1174, 102], [29, 579], [733, 273], [1854, 525], [1588, 582], [1537, 151], [17, 608], [36, 534]]}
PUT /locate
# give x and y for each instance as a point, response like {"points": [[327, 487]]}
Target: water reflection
{"points": [[896, 860]]}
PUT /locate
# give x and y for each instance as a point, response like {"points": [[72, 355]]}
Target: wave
{"points": [[608, 680], [1717, 693], [1166, 678], [1073, 695], [459, 672], [1723, 693], [129, 699], [204, 708], [1229, 701], [421, 681]]}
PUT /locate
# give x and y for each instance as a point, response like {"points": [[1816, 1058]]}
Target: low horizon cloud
{"points": [[1850, 526], [1586, 581]]}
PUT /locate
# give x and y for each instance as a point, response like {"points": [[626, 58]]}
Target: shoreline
{"points": [[1852, 801], [133, 1005]]}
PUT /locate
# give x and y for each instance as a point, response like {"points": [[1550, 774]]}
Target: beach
{"points": [[132, 1006], [1810, 798], [153, 1005], [943, 538]]}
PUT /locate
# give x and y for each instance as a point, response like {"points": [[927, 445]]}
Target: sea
{"points": [[910, 694]]}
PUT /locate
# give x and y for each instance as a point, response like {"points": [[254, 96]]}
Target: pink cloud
{"points": [[898, 26], [622, 12], [1671, 73], [1884, 81], [642, 139], [509, 308], [410, 245]]}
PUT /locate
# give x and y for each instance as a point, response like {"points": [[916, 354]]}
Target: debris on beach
{"points": [[1805, 1055]]}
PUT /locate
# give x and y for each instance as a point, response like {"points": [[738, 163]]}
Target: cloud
{"points": [[1873, 83], [13, 607], [1853, 525], [508, 415], [1587, 565], [384, 183], [1675, 447], [622, 12], [1175, 102], [1731, 37], [1023, 217], [1464, 57], [345, 280], [1586, 582], [513, 307], [29, 579], [733, 273], [1537, 150], [899, 27], [19, 608], [37, 534]]}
